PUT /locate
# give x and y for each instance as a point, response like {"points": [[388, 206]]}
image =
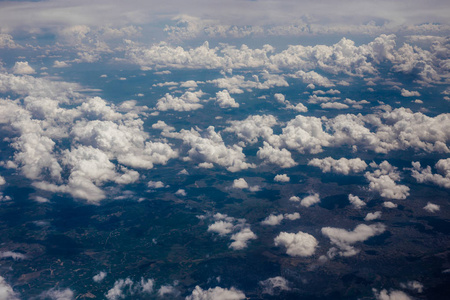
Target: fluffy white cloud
{"points": [[427, 176], [181, 192], [253, 127], [186, 102], [274, 285], [208, 146], [356, 201], [273, 220], [314, 78], [413, 285], [389, 204], [406, 93], [100, 133], [304, 134], [2, 180], [431, 207], [22, 68], [392, 295], [383, 181], [221, 227], [334, 105], [99, 277], [241, 239], [310, 200], [297, 244], [216, 293], [13, 255], [124, 288], [224, 99], [344, 239], [155, 184], [6, 291], [240, 183], [57, 294], [281, 178], [292, 217], [299, 107], [274, 155], [6, 41], [224, 225], [341, 166], [373, 216]]}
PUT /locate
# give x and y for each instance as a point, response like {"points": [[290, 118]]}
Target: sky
{"points": [[224, 150]]}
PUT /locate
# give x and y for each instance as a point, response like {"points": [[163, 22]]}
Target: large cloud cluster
{"points": [[99, 133]]}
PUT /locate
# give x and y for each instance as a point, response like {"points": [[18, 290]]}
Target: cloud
{"points": [[6, 291], [155, 184], [427, 176], [309, 200], [281, 178], [431, 207], [57, 294], [181, 192], [99, 277], [297, 244], [341, 166], [209, 146], [13, 255], [373, 216], [6, 41], [356, 202], [99, 133], [216, 293], [22, 68], [186, 102], [273, 155], [392, 295], [240, 183], [312, 77], [413, 285], [389, 204], [242, 238], [168, 291], [221, 227], [253, 127], [383, 181], [406, 93], [303, 134], [273, 220], [274, 285], [334, 105], [241, 232], [344, 239], [2, 180], [124, 288], [224, 99], [298, 107]]}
